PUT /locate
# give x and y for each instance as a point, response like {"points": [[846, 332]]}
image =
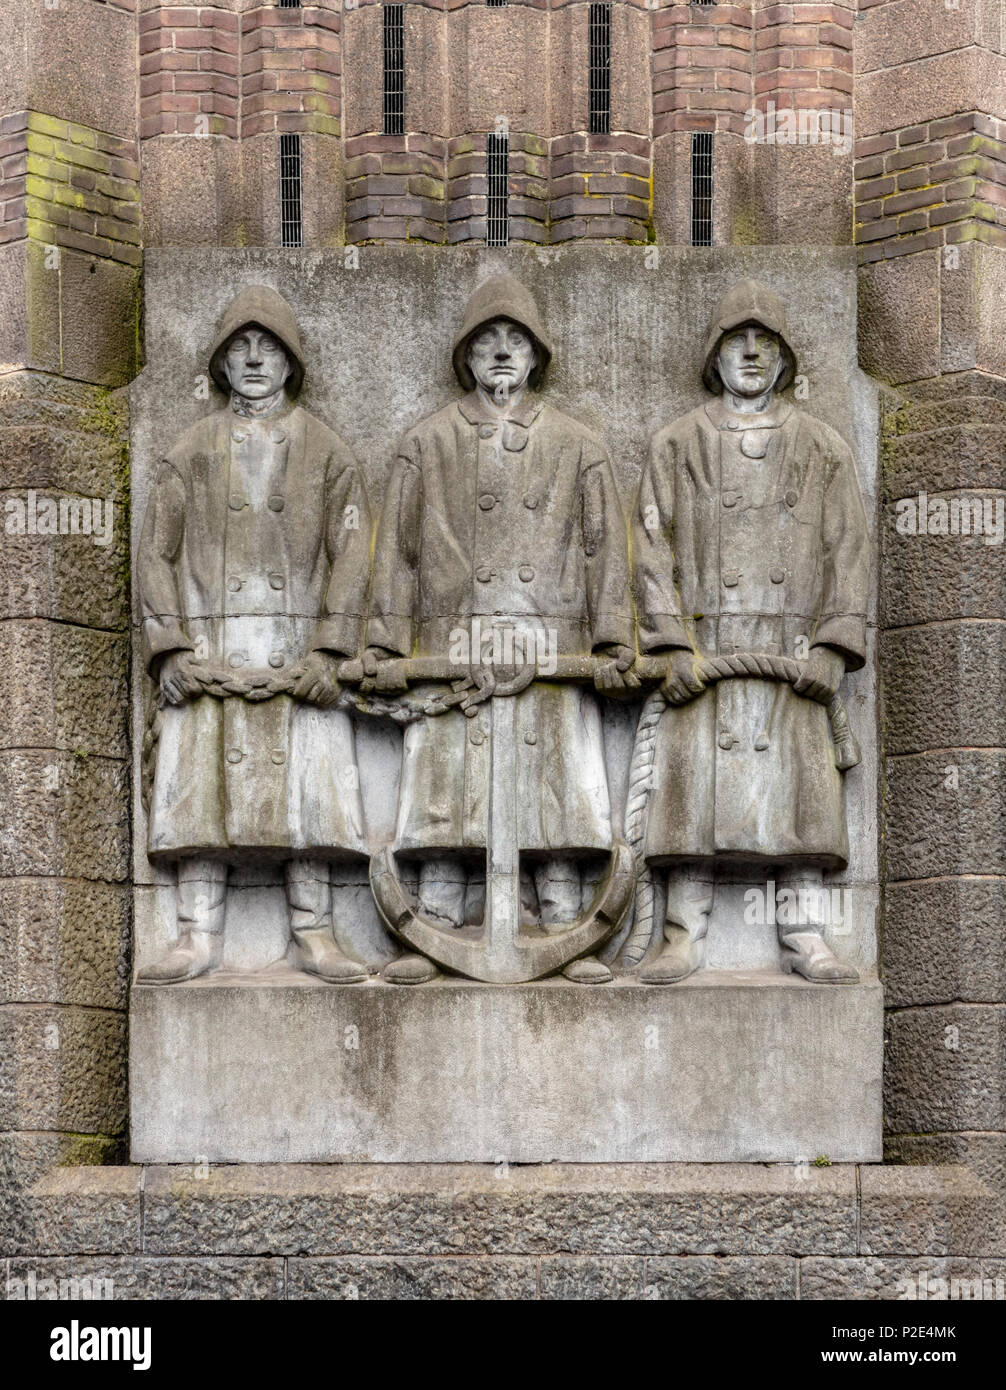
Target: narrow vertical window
{"points": [[497, 190], [290, 191], [600, 69], [394, 70], [496, 2], [288, 4], [702, 188]]}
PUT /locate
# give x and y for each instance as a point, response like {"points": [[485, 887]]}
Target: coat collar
{"points": [[477, 412], [777, 414]]}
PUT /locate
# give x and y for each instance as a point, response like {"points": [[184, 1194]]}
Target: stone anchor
{"points": [[497, 950]]}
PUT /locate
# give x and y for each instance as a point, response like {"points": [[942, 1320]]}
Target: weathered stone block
{"points": [[944, 686], [704, 1277], [405, 1080], [945, 940], [135, 1278], [946, 813], [64, 941], [404, 1278], [63, 814], [945, 1069], [62, 1068], [62, 687], [926, 1211]]}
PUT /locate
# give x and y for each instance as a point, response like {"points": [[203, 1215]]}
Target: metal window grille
{"points": [[288, 4], [394, 70], [600, 69], [290, 191], [702, 188], [497, 2], [498, 190]]}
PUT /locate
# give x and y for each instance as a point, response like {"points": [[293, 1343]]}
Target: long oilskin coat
{"points": [[517, 519], [740, 553], [248, 545]]}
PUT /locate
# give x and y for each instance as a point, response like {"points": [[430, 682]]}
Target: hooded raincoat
{"points": [[255, 551], [502, 522], [749, 534]]}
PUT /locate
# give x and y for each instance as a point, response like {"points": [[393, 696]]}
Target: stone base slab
{"points": [[753, 1067]]}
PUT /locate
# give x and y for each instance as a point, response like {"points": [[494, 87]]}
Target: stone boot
{"points": [[588, 970], [200, 904], [689, 903], [309, 898], [194, 953], [806, 953], [409, 969], [443, 886], [318, 954]]}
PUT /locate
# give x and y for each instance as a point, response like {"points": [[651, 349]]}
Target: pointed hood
{"points": [[260, 305], [748, 301], [501, 297]]}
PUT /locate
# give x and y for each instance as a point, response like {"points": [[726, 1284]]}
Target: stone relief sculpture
{"points": [[751, 566], [501, 563], [252, 570]]}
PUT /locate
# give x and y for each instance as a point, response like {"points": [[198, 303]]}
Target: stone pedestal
{"points": [[739, 1067]]}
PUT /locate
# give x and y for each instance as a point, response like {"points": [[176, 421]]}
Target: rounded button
{"points": [[239, 436], [477, 736], [531, 737], [234, 584], [236, 659], [514, 437], [483, 574], [276, 660], [754, 444], [761, 743], [792, 497], [525, 574], [731, 578], [277, 502], [237, 502], [487, 501], [277, 435], [530, 501], [276, 581], [777, 576], [725, 740], [730, 499], [278, 756], [234, 755], [733, 425], [486, 431]]}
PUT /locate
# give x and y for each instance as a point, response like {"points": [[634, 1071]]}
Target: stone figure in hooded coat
{"points": [[749, 535], [502, 513], [254, 557]]}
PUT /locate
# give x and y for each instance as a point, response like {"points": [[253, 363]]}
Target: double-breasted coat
{"points": [[749, 534], [255, 551], [503, 521]]}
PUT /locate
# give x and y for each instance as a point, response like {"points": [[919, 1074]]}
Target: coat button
{"points": [[761, 743], [530, 501], [730, 499], [733, 425], [239, 436], [754, 444], [477, 736], [531, 737], [487, 501], [236, 659], [731, 578], [276, 581], [277, 435], [276, 502], [278, 756], [234, 584], [486, 431], [234, 755], [777, 576], [514, 437], [525, 574], [792, 497], [276, 660], [483, 574], [725, 740], [237, 502]]}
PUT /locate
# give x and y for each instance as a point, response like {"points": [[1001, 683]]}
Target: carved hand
{"points": [[318, 683], [822, 674], [681, 681], [177, 680], [382, 671], [613, 671]]}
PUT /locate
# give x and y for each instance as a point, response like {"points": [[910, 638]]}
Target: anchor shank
{"points": [[502, 922]]}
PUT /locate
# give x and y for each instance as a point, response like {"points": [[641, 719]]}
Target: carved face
{"points": [[256, 363], [502, 356], [749, 360]]}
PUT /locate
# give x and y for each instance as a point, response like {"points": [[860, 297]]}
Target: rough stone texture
{"points": [[407, 1085], [415, 1278], [894, 1279], [945, 1068], [702, 1277], [927, 1212], [451, 1209], [963, 924], [64, 941], [139, 1279]]}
